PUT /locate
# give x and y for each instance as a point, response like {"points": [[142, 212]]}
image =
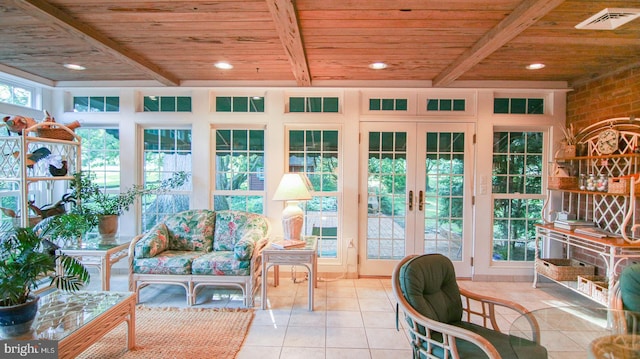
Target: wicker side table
{"points": [[306, 257]]}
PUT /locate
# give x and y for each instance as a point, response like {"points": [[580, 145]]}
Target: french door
{"points": [[418, 185]]}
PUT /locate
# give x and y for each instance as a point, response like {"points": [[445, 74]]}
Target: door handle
{"points": [[421, 201], [411, 200]]}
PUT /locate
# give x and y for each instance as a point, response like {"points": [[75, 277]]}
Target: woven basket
{"points": [[55, 133], [561, 269], [585, 282], [600, 292], [621, 185], [562, 183]]}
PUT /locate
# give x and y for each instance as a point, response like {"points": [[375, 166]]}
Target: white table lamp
{"points": [[293, 187]]}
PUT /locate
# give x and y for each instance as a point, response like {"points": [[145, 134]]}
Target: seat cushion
{"points": [[502, 343], [220, 263], [155, 241], [191, 230], [429, 285], [167, 262]]}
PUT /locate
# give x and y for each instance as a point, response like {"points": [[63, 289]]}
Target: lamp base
{"points": [[292, 220]]}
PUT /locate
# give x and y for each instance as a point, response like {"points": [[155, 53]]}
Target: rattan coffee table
{"points": [[77, 320]]}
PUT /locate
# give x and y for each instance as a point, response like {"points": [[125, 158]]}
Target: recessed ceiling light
{"points": [[74, 67], [535, 66], [223, 65], [378, 65]]}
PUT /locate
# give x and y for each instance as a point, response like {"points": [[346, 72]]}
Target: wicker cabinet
{"points": [[29, 169], [612, 208]]}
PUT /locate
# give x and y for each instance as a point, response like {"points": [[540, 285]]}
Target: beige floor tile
{"points": [[346, 353], [343, 304], [346, 338], [262, 352], [265, 335], [277, 317], [307, 337], [380, 319], [382, 338], [375, 305], [317, 318], [343, 292], [344, 319], [392, 354], [302, 353]]}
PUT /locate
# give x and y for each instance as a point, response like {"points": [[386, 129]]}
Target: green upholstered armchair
{"points": [[627, 289], [445, 321]]}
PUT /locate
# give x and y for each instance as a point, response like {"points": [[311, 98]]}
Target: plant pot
{"points": [[16, 320], [108, 227]]}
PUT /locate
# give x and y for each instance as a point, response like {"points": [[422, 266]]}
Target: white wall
{"points": [[130, 120]]}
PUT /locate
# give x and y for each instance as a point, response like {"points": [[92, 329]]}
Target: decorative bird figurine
{"points": [[9, 212], [35, 156], [18, 123], [58, 171]]}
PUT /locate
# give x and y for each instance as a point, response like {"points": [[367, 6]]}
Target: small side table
{"points": [[306, 257], [94, 253]]}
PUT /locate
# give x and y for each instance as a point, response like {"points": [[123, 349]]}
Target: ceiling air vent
{"points": [[609, 19]]}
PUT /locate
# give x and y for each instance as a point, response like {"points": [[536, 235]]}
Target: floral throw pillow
{"points": [[155, 241], [230, 228], [191, 230]]}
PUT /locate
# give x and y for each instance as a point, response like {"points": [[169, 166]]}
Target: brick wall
{"points": [[617, 95], [613, 96]]}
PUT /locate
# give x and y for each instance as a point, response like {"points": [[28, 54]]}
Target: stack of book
{"points": [[288, 244], [572, 224], [595, 232]]}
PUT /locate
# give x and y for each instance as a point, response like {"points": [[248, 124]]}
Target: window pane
{"points": [[112, 104], [81, 104], [183, 104], [151, 104], [374, 104], [516, 173], [239, 170], [96, 104], [330, 104], [167, 104], [240, 104], [223, 104], [296, 104], [161, 161]]}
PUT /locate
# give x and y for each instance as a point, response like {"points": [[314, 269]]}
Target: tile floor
{"points": [[352, 318]]}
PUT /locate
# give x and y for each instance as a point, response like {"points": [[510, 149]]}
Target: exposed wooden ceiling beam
{"points": [[525, 15], [286, 21], [58, 19]]}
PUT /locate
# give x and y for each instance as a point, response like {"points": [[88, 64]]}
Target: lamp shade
{"points": [[293, 187]]}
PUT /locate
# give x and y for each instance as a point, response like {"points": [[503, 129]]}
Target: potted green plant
{"points": [[107, 207], [68, 227], [25, 260]]}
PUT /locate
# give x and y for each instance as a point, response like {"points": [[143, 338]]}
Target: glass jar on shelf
{"points": [[591, 182], [602, 182], [582, 182]]}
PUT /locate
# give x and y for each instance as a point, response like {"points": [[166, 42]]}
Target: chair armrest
{"points": [[423, 329], [481, 306]]}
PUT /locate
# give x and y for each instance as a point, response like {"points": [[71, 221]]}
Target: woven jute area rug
{"points": [[177, 333]]}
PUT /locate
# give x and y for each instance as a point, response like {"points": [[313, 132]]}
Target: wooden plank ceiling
{"points": [[312, 42]]}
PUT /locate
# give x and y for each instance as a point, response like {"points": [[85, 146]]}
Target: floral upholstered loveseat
{"points": [[197, 248]]}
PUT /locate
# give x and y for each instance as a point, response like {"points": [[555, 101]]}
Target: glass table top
{"points": [[574, 329], [61, 313], [95, 242]]}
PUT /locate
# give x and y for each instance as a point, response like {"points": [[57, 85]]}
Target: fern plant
{"points": [[26, 258]]}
